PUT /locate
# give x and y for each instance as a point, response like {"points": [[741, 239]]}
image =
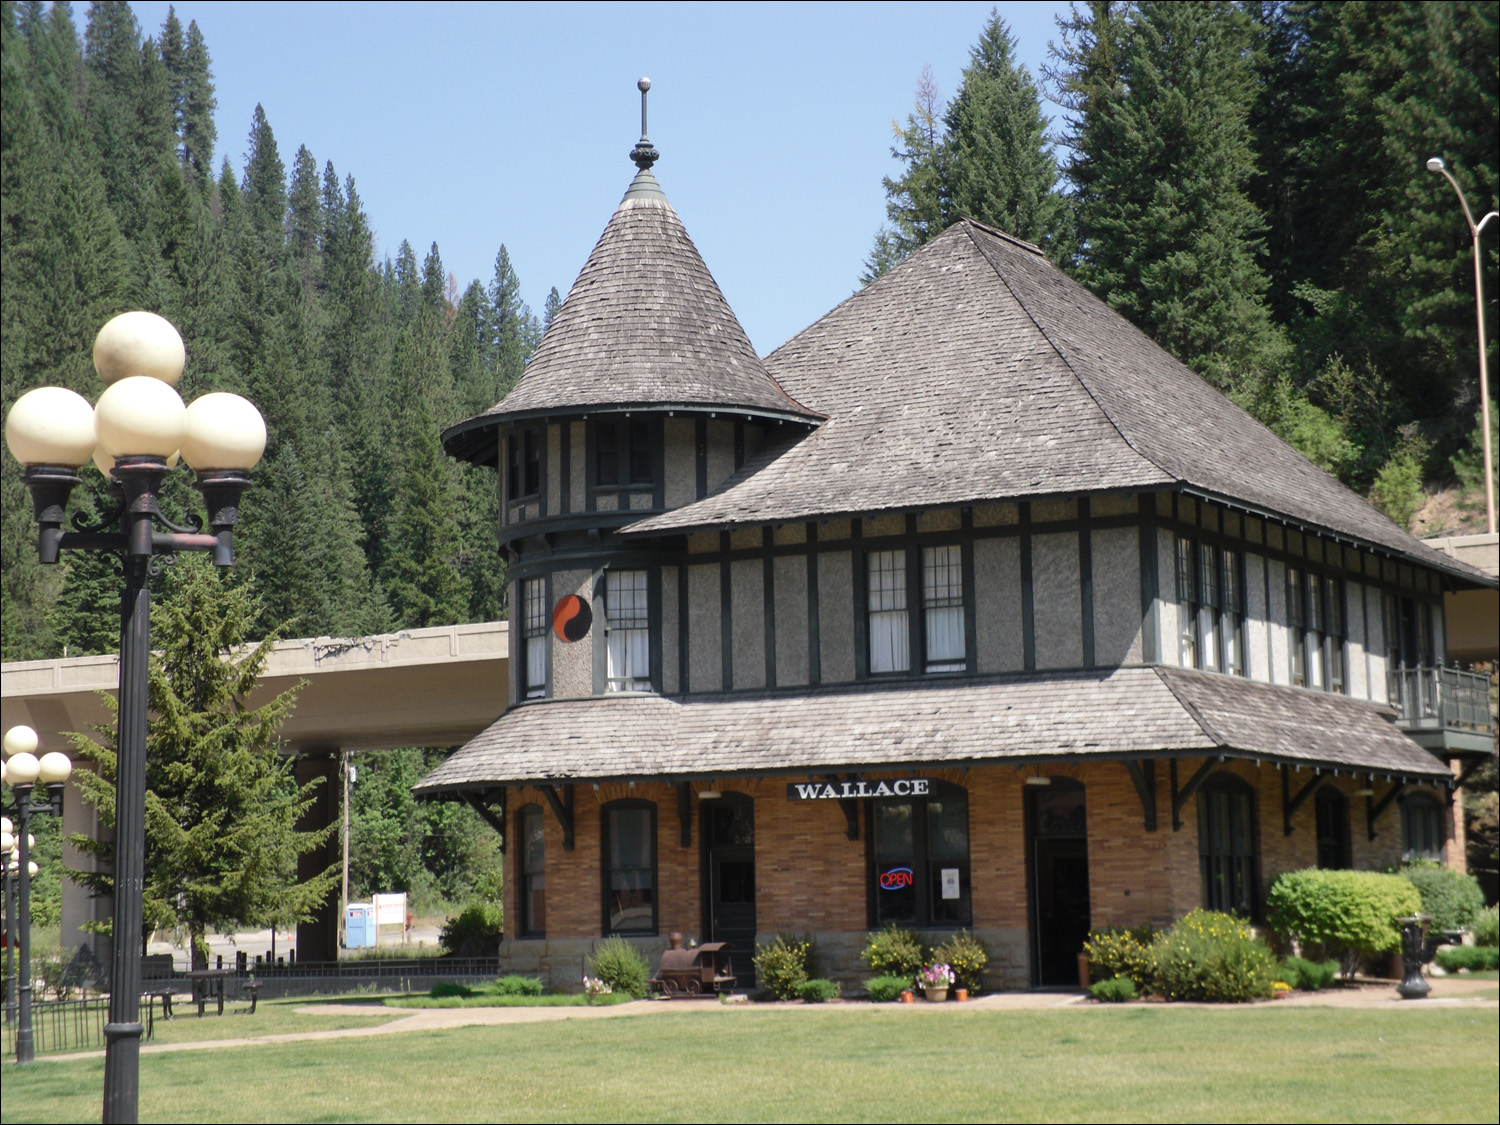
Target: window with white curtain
{"points": [[943, 607], [534, 637], [627, 607], [889, 647]]}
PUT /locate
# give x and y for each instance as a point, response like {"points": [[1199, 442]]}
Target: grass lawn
{"points": [[833, 1064], [483, 999]]}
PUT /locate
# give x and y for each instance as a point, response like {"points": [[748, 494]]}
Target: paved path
{"points": [[1446, 991]]}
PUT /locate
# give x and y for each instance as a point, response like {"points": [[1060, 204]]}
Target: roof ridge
{"points": [[998, 233], [1051, 343], [1191, 709]]}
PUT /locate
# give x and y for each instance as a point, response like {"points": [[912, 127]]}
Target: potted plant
{"points": [[594, 988], [935, 980]]}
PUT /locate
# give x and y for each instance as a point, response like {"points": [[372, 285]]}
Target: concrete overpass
{"points": [[419, 687]]}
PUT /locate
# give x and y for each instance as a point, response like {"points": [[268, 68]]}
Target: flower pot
{"points": [[935, 995], [961, 995], [907, 997]]}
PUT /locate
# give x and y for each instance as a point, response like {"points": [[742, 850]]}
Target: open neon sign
{"points": [[896, 878]]}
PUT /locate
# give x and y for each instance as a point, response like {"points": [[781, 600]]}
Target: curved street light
{"points": [[135, 432], [1435, 164]]}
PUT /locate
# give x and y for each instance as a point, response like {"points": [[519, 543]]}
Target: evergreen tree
{"points": [[549, 310], [196, 91], [914, 200], [305, 218], [222, 804], [509, 330]]}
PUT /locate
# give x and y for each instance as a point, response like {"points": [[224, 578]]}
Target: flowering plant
{"points": [[936, 976], [593, 987]]}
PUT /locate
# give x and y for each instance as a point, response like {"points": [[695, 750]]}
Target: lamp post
{"points": [[1435, 164], [23, 770], [134, 434]]}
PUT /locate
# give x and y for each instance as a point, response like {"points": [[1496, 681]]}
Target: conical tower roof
{"points": [[644, 327]]}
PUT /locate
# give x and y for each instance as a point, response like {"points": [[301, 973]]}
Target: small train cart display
{"points": [[702, 971]]}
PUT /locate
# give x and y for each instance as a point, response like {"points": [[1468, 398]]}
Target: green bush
{"points": [[1213, 957], [1450, 897], [782, 966], [887, 989], [817, 991], [1119, 952], [968, 957], [1308, 976], [1486, 928], [518, 986], [894, 951], [618, 964], [1115, 990], [1475, 958], [483, 920], [448, 988], [1349, 912]]}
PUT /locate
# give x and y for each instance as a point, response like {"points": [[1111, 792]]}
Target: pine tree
{"points": [[222, 804], [196, 89], [914, 200], [549, 310], [509, 330], [305, 218]]}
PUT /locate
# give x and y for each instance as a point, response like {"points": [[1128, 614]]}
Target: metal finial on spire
{"points": [[644, 153]]}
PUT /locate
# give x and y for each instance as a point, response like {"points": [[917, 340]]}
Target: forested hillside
{"points": [[115, 197], [1247, 183]]}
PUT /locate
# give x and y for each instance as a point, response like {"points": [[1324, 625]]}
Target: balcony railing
{"points": [[1442, 699]]}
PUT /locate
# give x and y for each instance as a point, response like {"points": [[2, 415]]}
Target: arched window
{"points": [[1226, 844], [530, 828], [919, 850], [1423, 832], [628, 838], [1331, 810]]}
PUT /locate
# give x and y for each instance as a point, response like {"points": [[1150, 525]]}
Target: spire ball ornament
{"points": [[644, 153], [139, 343]]}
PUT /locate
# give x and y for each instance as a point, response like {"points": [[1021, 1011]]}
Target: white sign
{"points": [[390, 910], [950, 882]]}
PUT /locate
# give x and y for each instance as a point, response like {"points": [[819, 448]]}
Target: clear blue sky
{"points": [[470, 125]]}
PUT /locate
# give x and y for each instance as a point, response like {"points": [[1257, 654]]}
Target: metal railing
{"points": [[1438, 698], [62, 1025]]}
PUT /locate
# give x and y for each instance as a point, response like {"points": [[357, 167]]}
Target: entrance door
{"points": [[1057, 828], [729, 878]]}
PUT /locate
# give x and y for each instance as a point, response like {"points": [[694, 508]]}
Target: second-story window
{"points": [[1210, 607], [943, 608], [523, 476], [1334, 632], [534, 638], [890, 647], [1296, 619], [626, 603], [622, 454]]}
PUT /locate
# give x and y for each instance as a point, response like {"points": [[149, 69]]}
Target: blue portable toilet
{"points": [[359, 925]]}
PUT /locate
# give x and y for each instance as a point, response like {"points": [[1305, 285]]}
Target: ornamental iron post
{"points": [[134, 436]]}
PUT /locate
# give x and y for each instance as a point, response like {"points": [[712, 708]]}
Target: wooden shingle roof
{"points": [[644, 326], [1125, 712], [977, 370]]}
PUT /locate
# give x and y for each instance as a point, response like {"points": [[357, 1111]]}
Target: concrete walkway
{"points": [[1448, 992]]}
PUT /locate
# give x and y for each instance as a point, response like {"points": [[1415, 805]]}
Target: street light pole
{"points": [[134, 435], [1435, 164]]}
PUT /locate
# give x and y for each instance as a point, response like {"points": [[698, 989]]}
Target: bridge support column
{"points": [[318, 940]]}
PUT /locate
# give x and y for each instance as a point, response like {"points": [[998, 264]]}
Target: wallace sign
{"points": [[843, 790]]}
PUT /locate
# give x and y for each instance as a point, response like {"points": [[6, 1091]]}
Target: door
{"points": [[1057, 827], [729, 878]]}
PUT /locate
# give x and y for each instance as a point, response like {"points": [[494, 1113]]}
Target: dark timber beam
{"points": [[562, 808], [1374, 808], [685, 813], [1181, 797], [1468, 771], [490, 805], [850, 807], [1289, 803], [1143, 774]]}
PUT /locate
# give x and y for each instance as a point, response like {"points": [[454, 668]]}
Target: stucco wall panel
{"points": [[705, 634], [671, 680], [748, 622], [681, 484], [997, 605], [573, 664], [1057, 601], [836, 616], [554, 469], [720, 452], [1257, 628], [789, 574], [1117, 596], [578, 472]]}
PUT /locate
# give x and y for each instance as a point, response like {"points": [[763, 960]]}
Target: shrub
{"points": [[782, 965], [449, 988], [894, 951], [1211, 956], [1352, 912], [1114, 991], [1475, 958], [1486, 926], [817, 991], [887, 989], [518, 986], [482, 920], [618, 964], [1451, 898], [967, 956], [1119, 952], [1308, 976]]}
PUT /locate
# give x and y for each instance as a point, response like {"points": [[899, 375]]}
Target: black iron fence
{"points": [[61, 1025], [1442, 699]]}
